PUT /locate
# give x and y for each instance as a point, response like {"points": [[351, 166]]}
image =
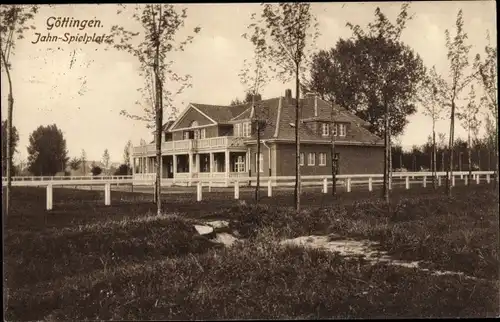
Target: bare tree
{"points": [[159, 24], [471, 123], [486, 73], [105, 160], [83, 159], [286, 32], [126, 156], [13, 23], [433, 105], [254, 77], [458, 57]]}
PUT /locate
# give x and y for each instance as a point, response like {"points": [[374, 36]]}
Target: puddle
{"points": [[332, 243], [218, 224], [225, 238], [365, 248]]}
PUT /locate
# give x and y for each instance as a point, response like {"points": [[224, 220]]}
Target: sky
{"points": [[83, 87]]}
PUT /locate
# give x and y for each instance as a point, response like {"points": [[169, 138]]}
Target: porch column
{"points": [[197, 163], [211, 164], [133, 166], [227, 167], [131, 158], [190, 163], [174, 158]]}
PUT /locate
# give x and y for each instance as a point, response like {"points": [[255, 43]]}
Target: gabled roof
{"points": [[167, 125], [221, 114]]}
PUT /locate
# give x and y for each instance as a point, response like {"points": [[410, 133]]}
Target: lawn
{"points": [[84, 260]]}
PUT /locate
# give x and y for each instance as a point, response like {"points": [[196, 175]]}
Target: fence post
{"points": [[348, 184], [325, 185], [107, 194], [269, 188], [439, 180], [210, 186], [453, 180], [370, 184], [477, 178], [466, 179], [198, 191], [407, 182], [424, 182], [236, 189], [49, 196], [488, 178]]}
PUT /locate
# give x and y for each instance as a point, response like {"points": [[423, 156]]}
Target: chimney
{"points": [[288, 94]]}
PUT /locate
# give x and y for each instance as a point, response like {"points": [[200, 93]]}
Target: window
{"points": [[237, 131], [193, 124], [203, 133], [302, 159], [186, 135], [322, 159], [261, 161], [325, 129], [311, 159], [334, 129], [196, 134], [342, 130], [246, 129], [239, 165]]}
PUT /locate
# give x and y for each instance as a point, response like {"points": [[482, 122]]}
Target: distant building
{"points": [[218, 142]]}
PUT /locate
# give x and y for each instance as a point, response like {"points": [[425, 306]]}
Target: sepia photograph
{"points": [[243, 161]]}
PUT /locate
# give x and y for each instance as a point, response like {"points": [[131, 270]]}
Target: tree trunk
{"points": [[9, 152], [434, 152], [449, 173], [297, 142], [159, 119], [442, 160], [385, 190], [479, 159], [390, 158], [469, 157], [496, 150]]}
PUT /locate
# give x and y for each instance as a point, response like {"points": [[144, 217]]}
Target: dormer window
{"points": [[247, 129], [243, 129], [339, 129], [325, 129], [342, 130]]}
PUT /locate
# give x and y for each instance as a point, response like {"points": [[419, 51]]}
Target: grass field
{"points": [[84, 260]]}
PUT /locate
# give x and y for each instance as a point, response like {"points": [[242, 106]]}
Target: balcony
{"points": [[186, 146]]}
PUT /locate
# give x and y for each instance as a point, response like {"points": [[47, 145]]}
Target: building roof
{"points": [[280, 114], [221, 114]]}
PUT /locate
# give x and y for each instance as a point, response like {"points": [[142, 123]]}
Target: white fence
{"points": [[347, 180]]}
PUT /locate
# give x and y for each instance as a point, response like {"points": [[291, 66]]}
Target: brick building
{"points": [[206, 138]]}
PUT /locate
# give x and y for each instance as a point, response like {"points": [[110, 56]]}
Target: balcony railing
{"points": [[220, 142]]}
